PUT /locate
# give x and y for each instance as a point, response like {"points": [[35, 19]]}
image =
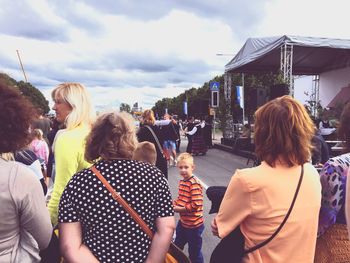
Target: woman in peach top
{"points": [[257, 199]]}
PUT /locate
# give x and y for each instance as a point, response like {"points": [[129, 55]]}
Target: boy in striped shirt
{"points": [[190, 206]]}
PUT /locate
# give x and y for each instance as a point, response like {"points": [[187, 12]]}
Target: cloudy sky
{"points": [[142, 51]]}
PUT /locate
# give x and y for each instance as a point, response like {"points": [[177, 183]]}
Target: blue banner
{"points": [[240, 96], [185, 107]]}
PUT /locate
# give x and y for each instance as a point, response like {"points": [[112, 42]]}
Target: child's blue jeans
{"points": [[192, 236]]}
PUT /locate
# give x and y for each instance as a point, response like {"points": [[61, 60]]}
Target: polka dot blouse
{"points": [[108, 230]]}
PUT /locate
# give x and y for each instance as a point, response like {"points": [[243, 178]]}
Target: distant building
{"points": [[136, 110]]}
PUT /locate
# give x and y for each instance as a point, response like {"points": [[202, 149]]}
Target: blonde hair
{"points": [[186, 157], [148, 117], [112, 136], [283, 132], [76, 95], [38, 133], [145, 152]]}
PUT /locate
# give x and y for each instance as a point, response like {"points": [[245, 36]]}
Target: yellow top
{"points": [[69, 151], [258, 199]]}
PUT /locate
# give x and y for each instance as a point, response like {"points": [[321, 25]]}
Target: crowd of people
{"points": [[59, 181]]}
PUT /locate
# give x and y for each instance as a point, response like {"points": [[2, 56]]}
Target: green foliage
{"points": [[198, 96], [34, 95], [7, 79], [125, 107], [29, 91]]}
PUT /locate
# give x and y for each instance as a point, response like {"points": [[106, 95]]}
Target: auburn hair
{"points": [[283, 132], [112, 136]]}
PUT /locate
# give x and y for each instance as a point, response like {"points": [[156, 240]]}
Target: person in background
{"points": [[333, 244], [257, 199], [207, 132], [43, 123], [96, 228], [145, 152], [73, 109], [189, 127], [326, 129], [25, 226], [189, 205], [178, 128], [29, 158], [170, 137], [144, 134], [55, 127], [198, 144], [243, 141], [347, 207], [320, 152], [39, 146]]}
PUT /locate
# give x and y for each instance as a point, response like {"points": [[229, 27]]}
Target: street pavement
{"points": [[213, 169]]}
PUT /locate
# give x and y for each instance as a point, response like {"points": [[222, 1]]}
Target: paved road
{"points": [[213, 169]]}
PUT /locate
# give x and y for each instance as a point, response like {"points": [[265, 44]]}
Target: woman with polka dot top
{"points": [[93, 226]]}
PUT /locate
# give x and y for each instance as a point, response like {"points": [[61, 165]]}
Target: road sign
{"points": [[214, 86], [212, 111], [215, 98]]}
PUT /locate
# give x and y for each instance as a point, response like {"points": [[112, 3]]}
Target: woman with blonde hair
{"points": [[150, 132], [258, 199], [96, 228], [73, 109]]}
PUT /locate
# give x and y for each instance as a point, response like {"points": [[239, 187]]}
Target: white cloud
{"points": [[140, 52], [162, 56], [317, 18]]}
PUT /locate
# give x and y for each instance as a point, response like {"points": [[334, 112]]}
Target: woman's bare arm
{"points": [[161, 240], [71, 244]]}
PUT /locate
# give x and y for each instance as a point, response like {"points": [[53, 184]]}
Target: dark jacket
{"points": [[145, 135], [169, 132]]}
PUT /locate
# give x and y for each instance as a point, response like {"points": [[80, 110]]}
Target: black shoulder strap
{"points": [[284, 220], [156, 139]]}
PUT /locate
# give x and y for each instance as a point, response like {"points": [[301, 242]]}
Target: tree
{"points": [[34, 95], [125, 107], [198, 98], [29, 91]]}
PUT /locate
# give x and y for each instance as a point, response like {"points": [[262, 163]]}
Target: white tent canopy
{"points": [[311, 56]]}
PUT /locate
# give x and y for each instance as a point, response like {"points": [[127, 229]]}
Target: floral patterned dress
{"points": [[333, 179]]}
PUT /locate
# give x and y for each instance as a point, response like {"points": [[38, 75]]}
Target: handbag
{"points": [[174, 254], [231, 248]]}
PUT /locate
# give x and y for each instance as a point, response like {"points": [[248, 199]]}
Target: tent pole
{"points": [[243, 96]]}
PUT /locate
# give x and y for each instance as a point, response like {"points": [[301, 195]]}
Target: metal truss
{"points": [[286, 66], [227, 86], [315, 95]]}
